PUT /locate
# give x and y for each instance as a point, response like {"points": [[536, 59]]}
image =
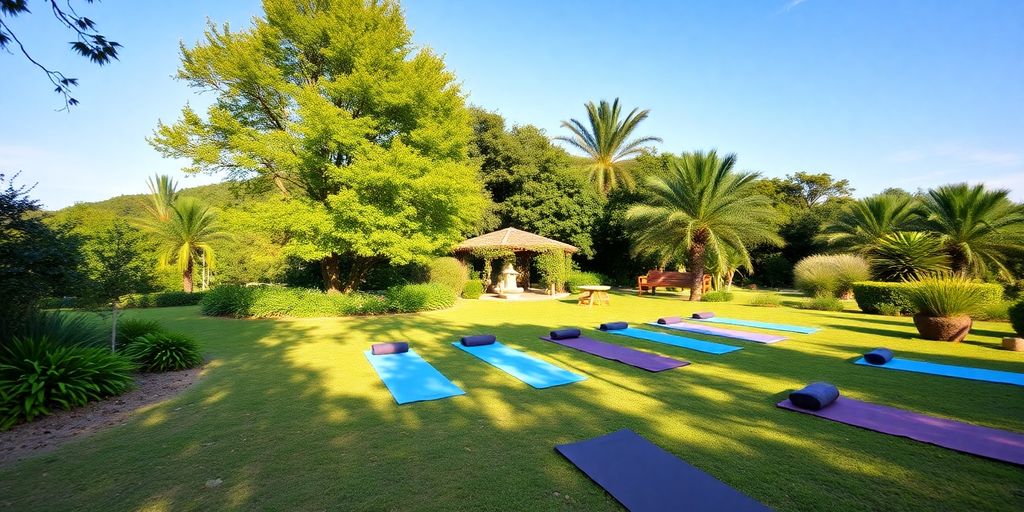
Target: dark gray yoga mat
{"points": [[645, 477], [645, 360]]}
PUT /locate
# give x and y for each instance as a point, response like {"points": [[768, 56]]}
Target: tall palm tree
{"points": [[185, 237], [702, 208], [979, 229], [864, 223], [605, 143], [163, 191]]}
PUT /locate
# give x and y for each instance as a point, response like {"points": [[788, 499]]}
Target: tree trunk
{"points": [[186, 276], [697, 256], [360, 266], [957, 260], [331, 273], [728, 280]]}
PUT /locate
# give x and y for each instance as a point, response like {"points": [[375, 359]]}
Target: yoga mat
{"points": [[533, 371], [762, 325], [676, 341], [955, 435], [948, 370], [644, 360], [410, 378], [725, 333], [644, 477]]}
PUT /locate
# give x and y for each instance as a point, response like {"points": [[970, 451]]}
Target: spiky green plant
{"points": [[186, 237], [605, 142], [60, 328], [864, 223], [163, 192], [905, 255], [946, 296], [702, 208], [980, 229], [163, 352]]}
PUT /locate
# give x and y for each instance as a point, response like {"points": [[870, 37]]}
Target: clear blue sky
{"points": [[882, 92]]}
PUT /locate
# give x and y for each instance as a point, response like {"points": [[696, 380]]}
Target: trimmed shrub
{"points": [[995, 312], [1016, 314], [870, 295], [229, 300], [766, 300], [163, 352], [419, 297], [553, 268], [577, 279], [830, 275], [38, 375], [947, 296], [130, 329], [823, 304], [161, 299], [474, 289], [717, 296], [450, 273], [889, 309]]}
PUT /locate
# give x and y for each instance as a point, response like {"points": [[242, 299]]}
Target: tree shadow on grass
{"points": [[291, 416]]}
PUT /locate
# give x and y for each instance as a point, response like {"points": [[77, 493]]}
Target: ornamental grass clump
{"points": [[946, 296], [830, 275]]}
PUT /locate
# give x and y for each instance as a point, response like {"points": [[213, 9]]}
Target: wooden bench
{"points": [[664, 278]]}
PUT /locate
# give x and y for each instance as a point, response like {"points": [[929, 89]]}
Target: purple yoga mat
{"points": [[646, 360], [955, 435], [725, 333], [644, 477]]}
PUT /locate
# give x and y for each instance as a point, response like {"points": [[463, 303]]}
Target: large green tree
{"points": [[605, 142], [532, 182], [364, 136], [980, 229], [703, 208], [117, 262]]}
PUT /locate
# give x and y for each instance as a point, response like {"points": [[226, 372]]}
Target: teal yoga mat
{"points": [[410, 378], [754, 323], [676, 341], [948, 370], [533, 371]]}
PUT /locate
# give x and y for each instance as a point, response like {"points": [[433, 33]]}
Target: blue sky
{"points": [[881, 92]]}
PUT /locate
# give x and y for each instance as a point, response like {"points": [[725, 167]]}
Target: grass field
{"points": [[290, 416]]}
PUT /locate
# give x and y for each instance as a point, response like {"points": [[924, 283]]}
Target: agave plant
{"points": [[907, 255], [605, 143]]}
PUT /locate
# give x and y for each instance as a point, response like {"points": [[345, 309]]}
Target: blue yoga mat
{"points": [[644, 477], [948, 370], [754, 323], [410, 378], [533, 371], [676, 341]]}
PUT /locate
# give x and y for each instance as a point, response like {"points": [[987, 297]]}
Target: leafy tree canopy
{"points": [[363, 135]]}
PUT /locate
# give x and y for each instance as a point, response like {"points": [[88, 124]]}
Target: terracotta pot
{"points": [[940, 328]]}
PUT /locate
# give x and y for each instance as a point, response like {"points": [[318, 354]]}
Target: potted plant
{"points": [[944, 305]]}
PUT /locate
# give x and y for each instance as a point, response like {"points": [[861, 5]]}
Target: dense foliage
{"points": [[823, 303], [892, 298], [717, 296], [130, 329], [474, 289], [419, 297], [577, 279], [946, 296], [161, 299], [276, 301], [553, 269], [1016, 314], [450, 273], [163, 352], [116, 262]]}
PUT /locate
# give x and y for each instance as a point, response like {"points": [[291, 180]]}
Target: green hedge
{"points": [[272, 301], [473, 289], [1016, 314], [870, 295], [161, 299], [577, 279], [717, 296]]}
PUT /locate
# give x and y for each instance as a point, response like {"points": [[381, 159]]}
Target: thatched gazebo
{"points": [[510, 243]]}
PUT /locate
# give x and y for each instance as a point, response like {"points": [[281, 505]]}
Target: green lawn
{"points": [[292, 417]]}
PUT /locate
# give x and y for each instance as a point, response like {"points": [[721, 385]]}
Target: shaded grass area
{"points": [[290, 416]]}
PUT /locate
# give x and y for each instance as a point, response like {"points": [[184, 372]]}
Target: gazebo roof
{"points": [[514, 239]]}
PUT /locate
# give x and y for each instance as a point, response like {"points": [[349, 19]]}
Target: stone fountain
{"points": [[507, 287]]}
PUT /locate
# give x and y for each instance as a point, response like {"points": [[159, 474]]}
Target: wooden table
{"points": [[594, 294]]}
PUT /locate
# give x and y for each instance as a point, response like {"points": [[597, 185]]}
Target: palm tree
{"points": [[908, 255], [185, 237], [163, 191], [979, 229], [605, 145], [862, 224], [702, 208], [734, 262]]}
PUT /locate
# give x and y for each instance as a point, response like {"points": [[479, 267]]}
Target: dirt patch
{"points": [[52, 432]]}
